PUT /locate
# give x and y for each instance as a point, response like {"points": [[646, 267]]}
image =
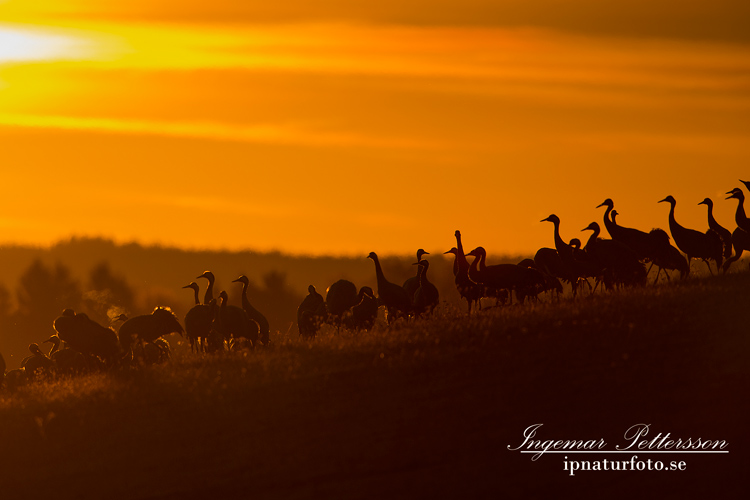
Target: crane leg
{"points": [[709, 267]]}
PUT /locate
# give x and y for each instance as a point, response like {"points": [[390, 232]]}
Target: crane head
{"points": [[736, 193], [192, 285], [607, 203], [453, 250], [477, 252], [422, 263], [591, 227], [706, 201], [242, 279], [552, 218], [420, 253], [311, 289], [208, 275], [372, 256], [575, 243], [669, 199]]}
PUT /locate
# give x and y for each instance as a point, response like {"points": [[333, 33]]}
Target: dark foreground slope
{"points": [[421, 411]]}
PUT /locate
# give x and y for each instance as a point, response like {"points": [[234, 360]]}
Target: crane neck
{"points": [[378, 271], [672, 221], [592, 238], [55, 347], [422, 274], [473, 271], [245, 301], [739, 216], [609, 222], [461, 261], [209, 296], [560, 245], [197, 297]]}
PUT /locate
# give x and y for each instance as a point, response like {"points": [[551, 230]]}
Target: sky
{"points": [[339, 127]]}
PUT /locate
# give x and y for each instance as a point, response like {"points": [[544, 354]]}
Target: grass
{"points": [[423, 409]]}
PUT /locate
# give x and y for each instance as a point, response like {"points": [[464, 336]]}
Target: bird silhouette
{"points": [[209, 296], [395, 299], [666, 257], [636, 240], [148, 328], [412, 284], [340, 298], [619, 264], [252, 312], [311, 313], [67, 361], [705, 246], [574, 271], [234, 323], [500, 280], [199, 320], [38, 365], [426, 297], [467, 289], [87, 336], [722, 232], [365, 312], [740, 217]]}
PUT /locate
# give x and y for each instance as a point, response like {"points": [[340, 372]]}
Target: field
{"points": [[425, 409]]}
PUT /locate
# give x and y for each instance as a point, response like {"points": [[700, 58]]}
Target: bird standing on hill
{"points": [[467, 289], [234, 323], [341, 296], [365, 312], [311, 313], [741, 234], [619, 264], [209, 296], [148, 328], [426, 297], [695, 244], [252, 312], [500, 280], [198, 320], [636, 240], [412, 284], [724, 234], [67, 361], [87, 336], [395, 299]]}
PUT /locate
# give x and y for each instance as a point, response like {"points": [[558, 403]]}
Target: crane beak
{"points": [[660, 201], [545, 220]]}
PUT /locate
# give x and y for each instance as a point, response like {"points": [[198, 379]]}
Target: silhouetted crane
{"points": [[412, 284], [199, 320], [67, 361], [666, 257], [38, 364], [252, 312], [496, 278], [724, 234], [395, 299], [311, 313], [636, 240], [427, 297], [234, 323], [467, 289], [149, 327], [573, 269], [695, 244], [365, 312], [741, 235], [340, 298], [619, 264], [740, 217], [209, 296], [87, 336]]}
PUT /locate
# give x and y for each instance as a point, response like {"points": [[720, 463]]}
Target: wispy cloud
{"points": [[262, 134]]}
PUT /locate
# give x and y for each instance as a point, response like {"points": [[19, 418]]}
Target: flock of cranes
{"points": [[81, 344]]}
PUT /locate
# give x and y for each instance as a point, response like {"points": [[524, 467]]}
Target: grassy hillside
{"points": [[420, 410]]}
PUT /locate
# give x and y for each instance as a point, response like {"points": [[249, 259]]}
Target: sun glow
{"points": [[25, 45]]}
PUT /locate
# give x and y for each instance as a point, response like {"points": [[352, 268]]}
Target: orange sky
{"points": [[233, 124]]}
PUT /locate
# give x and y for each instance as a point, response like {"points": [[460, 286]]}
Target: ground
{"points": [[426, 409]]}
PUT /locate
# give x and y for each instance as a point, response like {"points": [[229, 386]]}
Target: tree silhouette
{"points": [[42, 295]]}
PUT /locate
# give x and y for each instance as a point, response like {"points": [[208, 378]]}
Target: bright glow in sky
{"points": [[338, 133]]}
